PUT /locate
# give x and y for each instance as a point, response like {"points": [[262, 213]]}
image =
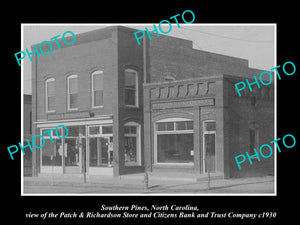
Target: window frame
{"points": [[46, 94], [175, 131], [100, 73], [68, 92], [138, 140], [136, 105]]}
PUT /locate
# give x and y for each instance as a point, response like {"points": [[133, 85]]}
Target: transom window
{"points": [[210, 126], [100, 130], [174, 126]]}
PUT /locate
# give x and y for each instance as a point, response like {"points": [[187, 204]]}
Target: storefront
{"points": [[88, 147]]}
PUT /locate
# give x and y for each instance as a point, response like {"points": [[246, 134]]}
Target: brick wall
{"points": [[80, 59], [177, 57], [241, 113]]}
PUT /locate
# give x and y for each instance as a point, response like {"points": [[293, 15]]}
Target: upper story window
{"points": [[97, 89], [72, 92], [169, 78], [50, 94], [131, 88]]}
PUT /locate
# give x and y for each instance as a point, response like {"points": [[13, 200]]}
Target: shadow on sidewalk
{"points": [[204, 185]]}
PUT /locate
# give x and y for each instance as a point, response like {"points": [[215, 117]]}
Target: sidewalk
{"points": [[134, 184]]}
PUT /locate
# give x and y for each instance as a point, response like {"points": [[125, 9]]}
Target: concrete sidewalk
{"points": [[134, 184]]}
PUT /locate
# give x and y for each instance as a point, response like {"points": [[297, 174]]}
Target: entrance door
{"points": [[74, 150], [100, 152], [209, 152]]}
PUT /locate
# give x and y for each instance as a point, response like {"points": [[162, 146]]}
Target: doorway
{"points": [[101, 152], [209, 146], [100, 149], [74, 148]]}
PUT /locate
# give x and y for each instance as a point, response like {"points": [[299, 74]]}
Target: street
{"points": [[129, 185]]}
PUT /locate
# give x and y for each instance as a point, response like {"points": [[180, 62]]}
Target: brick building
{"points": [[130, 109], [27, 111]]}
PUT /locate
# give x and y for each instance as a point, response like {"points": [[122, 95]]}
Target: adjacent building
{"points": [[157, 106], [27, 130]]}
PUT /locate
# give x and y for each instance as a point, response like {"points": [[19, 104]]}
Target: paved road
{"points": [[135, 186]]}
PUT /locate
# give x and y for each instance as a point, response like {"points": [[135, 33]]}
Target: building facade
{"points": [[160, 105], [27, 130]]}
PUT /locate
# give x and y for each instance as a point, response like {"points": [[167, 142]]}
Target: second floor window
{"points": [[72, 92], [97, 88], [50, 95], [131, 88]]}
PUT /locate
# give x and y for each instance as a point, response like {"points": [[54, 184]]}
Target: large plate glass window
{"points": [[174, 139]]}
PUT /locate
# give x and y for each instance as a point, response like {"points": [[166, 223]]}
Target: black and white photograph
{"points": [[152, 115], [132, 116]]}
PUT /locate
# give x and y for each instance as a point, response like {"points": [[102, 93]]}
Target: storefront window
{"points": [[174, 148], [69, 150], [175, 141], [52, 152]]}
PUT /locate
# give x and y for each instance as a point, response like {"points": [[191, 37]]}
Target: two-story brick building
{"points": [[160, 105]]}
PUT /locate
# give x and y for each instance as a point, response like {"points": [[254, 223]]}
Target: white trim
{"points": [[74, 123], [174, 120], [203, 145], [156, 132], [138, 139], [136, 105], [68, 92], [46, 94], [97, 72]]}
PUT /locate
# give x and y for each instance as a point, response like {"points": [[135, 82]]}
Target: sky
{"points": [[254, 42]]}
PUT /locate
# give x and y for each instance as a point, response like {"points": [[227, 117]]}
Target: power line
{"points": [[194, 42], [222, 36]]}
